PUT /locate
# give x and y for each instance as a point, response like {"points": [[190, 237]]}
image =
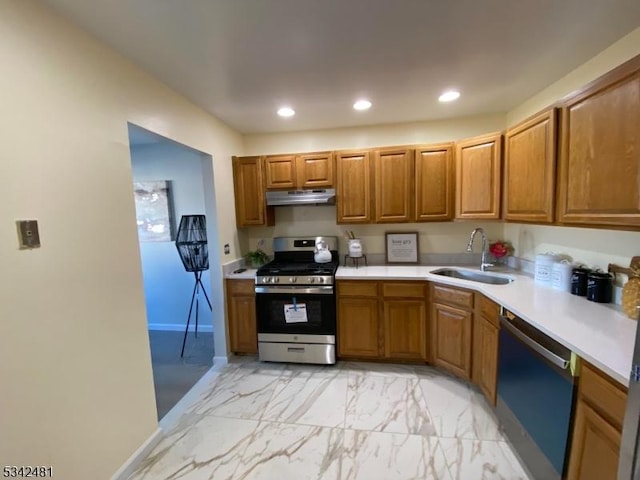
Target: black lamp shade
{"points": [[191, 242]]}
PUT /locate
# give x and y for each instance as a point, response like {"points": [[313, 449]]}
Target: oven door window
{"points": [[320, 313]]}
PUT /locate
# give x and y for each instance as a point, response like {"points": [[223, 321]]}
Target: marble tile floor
{"points": [[271, 421]]}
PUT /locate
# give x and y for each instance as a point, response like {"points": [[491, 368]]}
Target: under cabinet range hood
{"points": [[325, 196]]}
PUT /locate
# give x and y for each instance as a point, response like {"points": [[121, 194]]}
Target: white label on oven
{"points": [[295, 313]]}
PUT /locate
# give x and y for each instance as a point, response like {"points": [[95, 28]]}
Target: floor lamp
{"points": [[191, 242]]}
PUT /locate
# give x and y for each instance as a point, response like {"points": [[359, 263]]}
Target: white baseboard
{"points": [[128, 467], [220, 361], [179, 327]]}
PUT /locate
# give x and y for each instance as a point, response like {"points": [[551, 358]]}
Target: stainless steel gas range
{"points": [[296, 302]]}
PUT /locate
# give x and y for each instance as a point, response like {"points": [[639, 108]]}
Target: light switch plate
{"points": [[28, 235]]}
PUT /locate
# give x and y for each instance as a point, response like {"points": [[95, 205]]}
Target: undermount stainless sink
{"points": [[482, 277]]}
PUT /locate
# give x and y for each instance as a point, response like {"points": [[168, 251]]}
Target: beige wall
{"points": [[438, 237], [621, 51], [373, 136], [591, 246], [76, 384], [443, 237]]}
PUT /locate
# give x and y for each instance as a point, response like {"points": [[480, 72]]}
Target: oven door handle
{"points": [[323, 290], [555, 359]]}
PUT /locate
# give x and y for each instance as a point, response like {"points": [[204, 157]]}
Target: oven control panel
{"points": [[295, 280]]}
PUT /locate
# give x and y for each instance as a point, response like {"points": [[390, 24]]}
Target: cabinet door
{"points": [[595, 446], [358, 327], [405, 329], [393, 173], [478, 164], [451, 339], [248, 185], [600, 151], [280, 171], [434, 183], [488, 359], [315, 170], [353, 189], [529, 169], [241, 314]]}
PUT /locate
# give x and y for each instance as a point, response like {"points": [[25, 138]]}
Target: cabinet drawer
{"points": [[489, 310], [450, 295], [241, 287], [358, 289], [605, 394], [404, 289]]}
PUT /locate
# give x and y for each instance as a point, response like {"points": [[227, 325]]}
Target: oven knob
{"points": [[267, 279], [320, 280], [275, 280], [293, 279], [312, 280]]}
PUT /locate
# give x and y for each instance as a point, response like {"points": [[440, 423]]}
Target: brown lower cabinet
{"points": [[241, 316], [451, 329], [486, 328], [405, 325], [382, 320], [595, 445], [358, 327]]}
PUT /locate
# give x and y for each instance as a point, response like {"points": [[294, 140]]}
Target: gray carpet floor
{"points": [[174, 376]]}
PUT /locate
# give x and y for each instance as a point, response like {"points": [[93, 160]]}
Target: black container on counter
{"points": [[579, 281], [599, 286]]}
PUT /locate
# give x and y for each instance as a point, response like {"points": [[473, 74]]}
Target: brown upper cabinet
{"points": [[393, 180], [315, 170], [280, 171], [353, 188], [248, 183], [599, 159], [309, 170], [529, 169], [478, 168], [434, 183]]}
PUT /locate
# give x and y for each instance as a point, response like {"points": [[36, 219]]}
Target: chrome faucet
{"points": [[483, 261]]}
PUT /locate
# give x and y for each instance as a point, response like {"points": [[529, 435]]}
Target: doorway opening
{"points": [[169, 181]]}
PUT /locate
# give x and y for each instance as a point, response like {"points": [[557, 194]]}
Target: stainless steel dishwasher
{"points": [[536, 396]]}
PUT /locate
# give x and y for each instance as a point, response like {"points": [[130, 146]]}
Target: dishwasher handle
{"points": [[552, 357]]}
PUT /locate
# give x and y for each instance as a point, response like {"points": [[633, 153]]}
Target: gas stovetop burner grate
{"points": [[298, 269]]}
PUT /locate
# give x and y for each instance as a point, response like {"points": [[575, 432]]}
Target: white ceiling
{"points": [[242, 59]]}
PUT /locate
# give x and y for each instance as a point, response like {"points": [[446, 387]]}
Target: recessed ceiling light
{"points": [[362, 105], [286, 112], [449, 96]]}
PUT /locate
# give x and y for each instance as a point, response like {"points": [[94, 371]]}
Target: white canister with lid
{"points": [[355, 248], [561, 275], [544, 264]]}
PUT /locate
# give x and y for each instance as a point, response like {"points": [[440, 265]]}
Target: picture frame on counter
{"points": [[401, 248]]}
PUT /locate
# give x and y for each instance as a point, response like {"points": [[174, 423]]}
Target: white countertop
{"points": [[248, 274], [598, 333]]}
